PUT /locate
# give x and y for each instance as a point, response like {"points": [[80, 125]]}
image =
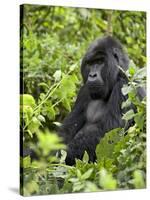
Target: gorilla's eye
{"points": [[115, 54], [101, 60]]}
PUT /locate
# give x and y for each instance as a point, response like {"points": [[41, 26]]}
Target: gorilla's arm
{"points": [[76, 119], [113, 119]]}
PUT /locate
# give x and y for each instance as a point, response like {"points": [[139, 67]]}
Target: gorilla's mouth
{"points": [[96, 90], [94, 84]]}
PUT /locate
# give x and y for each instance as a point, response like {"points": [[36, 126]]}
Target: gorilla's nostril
{"points": [[93, 75]]}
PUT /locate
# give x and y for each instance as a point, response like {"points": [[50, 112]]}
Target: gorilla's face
{"points": [[99, 67], [96, 79]]}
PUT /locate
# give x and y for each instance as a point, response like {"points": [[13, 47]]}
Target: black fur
{"points": [[97, 109]]}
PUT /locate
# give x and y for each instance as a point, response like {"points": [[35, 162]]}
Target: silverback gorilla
{"points": [[97, 109]]}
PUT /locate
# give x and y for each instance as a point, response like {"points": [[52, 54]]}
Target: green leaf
{"points": [[87, 174], [50, 112], [140, 74], [73, 180], [121, 144], [41, 118], [78, 186], [139, 119], [30, 133], [34, 125], [79, 173], [132, 70], [57, 124], [128, 115], [27, 110], [66, 104], [129, 40], [26, 162], [138, 179], [63, 156], [49, 142], [73, 67], [104, 149], [106, 181], [27, 100], [126, 103], [91, 187], [84, 13], [57, 75], [85, 157], [44, 85], [126, 89]]}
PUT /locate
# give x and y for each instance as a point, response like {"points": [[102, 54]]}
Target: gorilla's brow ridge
{"points": [[97, 54]]}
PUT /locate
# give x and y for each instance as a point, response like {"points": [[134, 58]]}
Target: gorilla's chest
{"points": [[95, 111]]}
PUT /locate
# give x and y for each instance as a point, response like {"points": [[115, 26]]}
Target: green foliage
{"points": [[106, 180], [53, 42], [138, 179], [106, 146]]}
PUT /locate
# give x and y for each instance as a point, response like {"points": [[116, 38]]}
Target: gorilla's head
{"points": [[99, 66]]}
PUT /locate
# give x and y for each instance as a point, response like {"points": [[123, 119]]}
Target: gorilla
{"points": [[97, 109]]}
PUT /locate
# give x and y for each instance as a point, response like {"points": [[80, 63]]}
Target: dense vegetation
{"points": [[53, 42]]}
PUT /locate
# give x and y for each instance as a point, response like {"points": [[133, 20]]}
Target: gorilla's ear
{"points": [[121, 57]]}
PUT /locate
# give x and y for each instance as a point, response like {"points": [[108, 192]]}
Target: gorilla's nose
{"points": [[92, 76]]}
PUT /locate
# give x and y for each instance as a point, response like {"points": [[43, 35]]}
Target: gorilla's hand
{"points": [[71, 155], [75, 150], [84, 141]]}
